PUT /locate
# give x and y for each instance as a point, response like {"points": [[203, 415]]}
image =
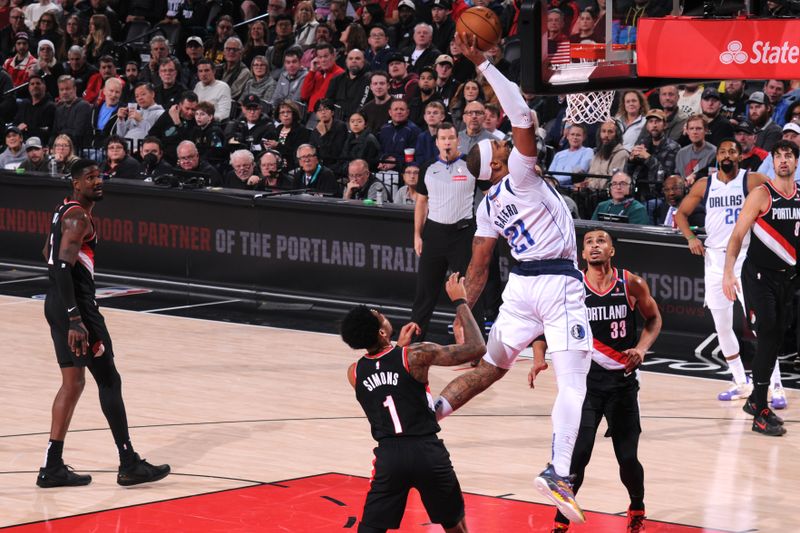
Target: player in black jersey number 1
{"points": [[391, 384], [80, 336], [771, 213], [612, 385]]}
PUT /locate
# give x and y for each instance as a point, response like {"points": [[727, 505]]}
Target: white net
{"points": [[589, 108]]}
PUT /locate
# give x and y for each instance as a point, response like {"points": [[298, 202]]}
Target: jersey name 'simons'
{"points": [[607, 312], [725, 201], [504, 214], [786, 213], [380, 378]]}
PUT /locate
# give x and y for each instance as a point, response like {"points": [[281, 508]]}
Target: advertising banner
{"points": [[315, 247], [682, 47]]}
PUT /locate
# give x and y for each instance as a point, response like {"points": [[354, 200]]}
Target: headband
{"points": [[485, 147]]}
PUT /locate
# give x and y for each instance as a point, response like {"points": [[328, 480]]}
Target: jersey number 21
{"points": [[518, 237]]}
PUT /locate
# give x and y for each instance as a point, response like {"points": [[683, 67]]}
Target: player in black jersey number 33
{"points": [[80, 336], [391, 384]]}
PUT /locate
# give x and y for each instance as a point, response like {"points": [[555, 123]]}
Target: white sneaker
{"points": [[778, 400], [736, 392]]}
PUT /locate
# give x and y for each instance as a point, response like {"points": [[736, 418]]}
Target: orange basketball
{"points": [[483, 24]]}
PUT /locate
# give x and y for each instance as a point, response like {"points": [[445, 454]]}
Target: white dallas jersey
{"points": [[528, 213], [723, 203]]}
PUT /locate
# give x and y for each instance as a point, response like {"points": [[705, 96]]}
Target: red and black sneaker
{"points": [[635, 521], [762, 424], [750, 408]]}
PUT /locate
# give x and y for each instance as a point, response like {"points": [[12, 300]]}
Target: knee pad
{"points": [[723, 322]]}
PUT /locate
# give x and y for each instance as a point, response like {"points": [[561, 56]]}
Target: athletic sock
{"points": [[637, 504], [737, 369], [54, 454], [775, 378], [126, 453], [442, 408]]}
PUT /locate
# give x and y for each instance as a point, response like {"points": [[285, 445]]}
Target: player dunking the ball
{"points": [[544, 293], [80, 336], [391, 384]]}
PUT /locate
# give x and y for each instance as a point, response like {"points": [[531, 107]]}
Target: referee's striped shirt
{"points": [[450, 189]]}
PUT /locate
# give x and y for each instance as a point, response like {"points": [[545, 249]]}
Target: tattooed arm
{"points": [[478, 269], [421, 356]]}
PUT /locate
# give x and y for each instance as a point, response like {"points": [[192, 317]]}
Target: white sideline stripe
{"points": [[220, 302], [21, 280], [702, 346]]}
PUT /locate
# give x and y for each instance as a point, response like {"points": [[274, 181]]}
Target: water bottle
{"points": [[53, 167]]}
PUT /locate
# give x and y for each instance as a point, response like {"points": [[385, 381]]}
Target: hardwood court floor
{"points": [[232, 406]]}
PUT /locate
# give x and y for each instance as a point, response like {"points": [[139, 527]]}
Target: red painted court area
{"points": [[324, 503]]}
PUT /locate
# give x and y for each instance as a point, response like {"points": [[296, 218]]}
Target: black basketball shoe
{"points": [[761, 424], [750, 408], [140, 471], [61, 476]]}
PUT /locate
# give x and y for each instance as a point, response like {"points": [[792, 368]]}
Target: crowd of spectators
{"points": [[344, 98]]}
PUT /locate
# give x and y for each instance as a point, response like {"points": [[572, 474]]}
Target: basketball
{"points": [[483, 24]]}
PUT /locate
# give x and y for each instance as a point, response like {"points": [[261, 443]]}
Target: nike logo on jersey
{"points": [[71, 309]]}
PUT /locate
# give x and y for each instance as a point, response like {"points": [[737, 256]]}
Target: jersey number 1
{"points": [[389, 404]]}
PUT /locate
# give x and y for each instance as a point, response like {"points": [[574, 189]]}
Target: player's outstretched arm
{"points": [[426, 354], [688, 205], [754, 205], [648, 308], [508, 94], [478, 269], [477, 274]]}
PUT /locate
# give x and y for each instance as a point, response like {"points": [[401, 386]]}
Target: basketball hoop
{"points": [[589, 108]]}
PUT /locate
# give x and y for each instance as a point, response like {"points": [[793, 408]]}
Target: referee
{"points": [[444, 224]]}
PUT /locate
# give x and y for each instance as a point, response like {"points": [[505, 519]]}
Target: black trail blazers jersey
{"points": [[395, 403], [775, 233], [613, 322], [83, 271]]}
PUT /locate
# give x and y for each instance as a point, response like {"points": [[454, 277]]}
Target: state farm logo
{"points": [[763, 52], [734, 54]]}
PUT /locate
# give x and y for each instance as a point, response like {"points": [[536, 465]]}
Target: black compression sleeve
{"points": [[63, 277]]}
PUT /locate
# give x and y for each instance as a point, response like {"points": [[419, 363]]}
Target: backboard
{"points": [[607, 60]]}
